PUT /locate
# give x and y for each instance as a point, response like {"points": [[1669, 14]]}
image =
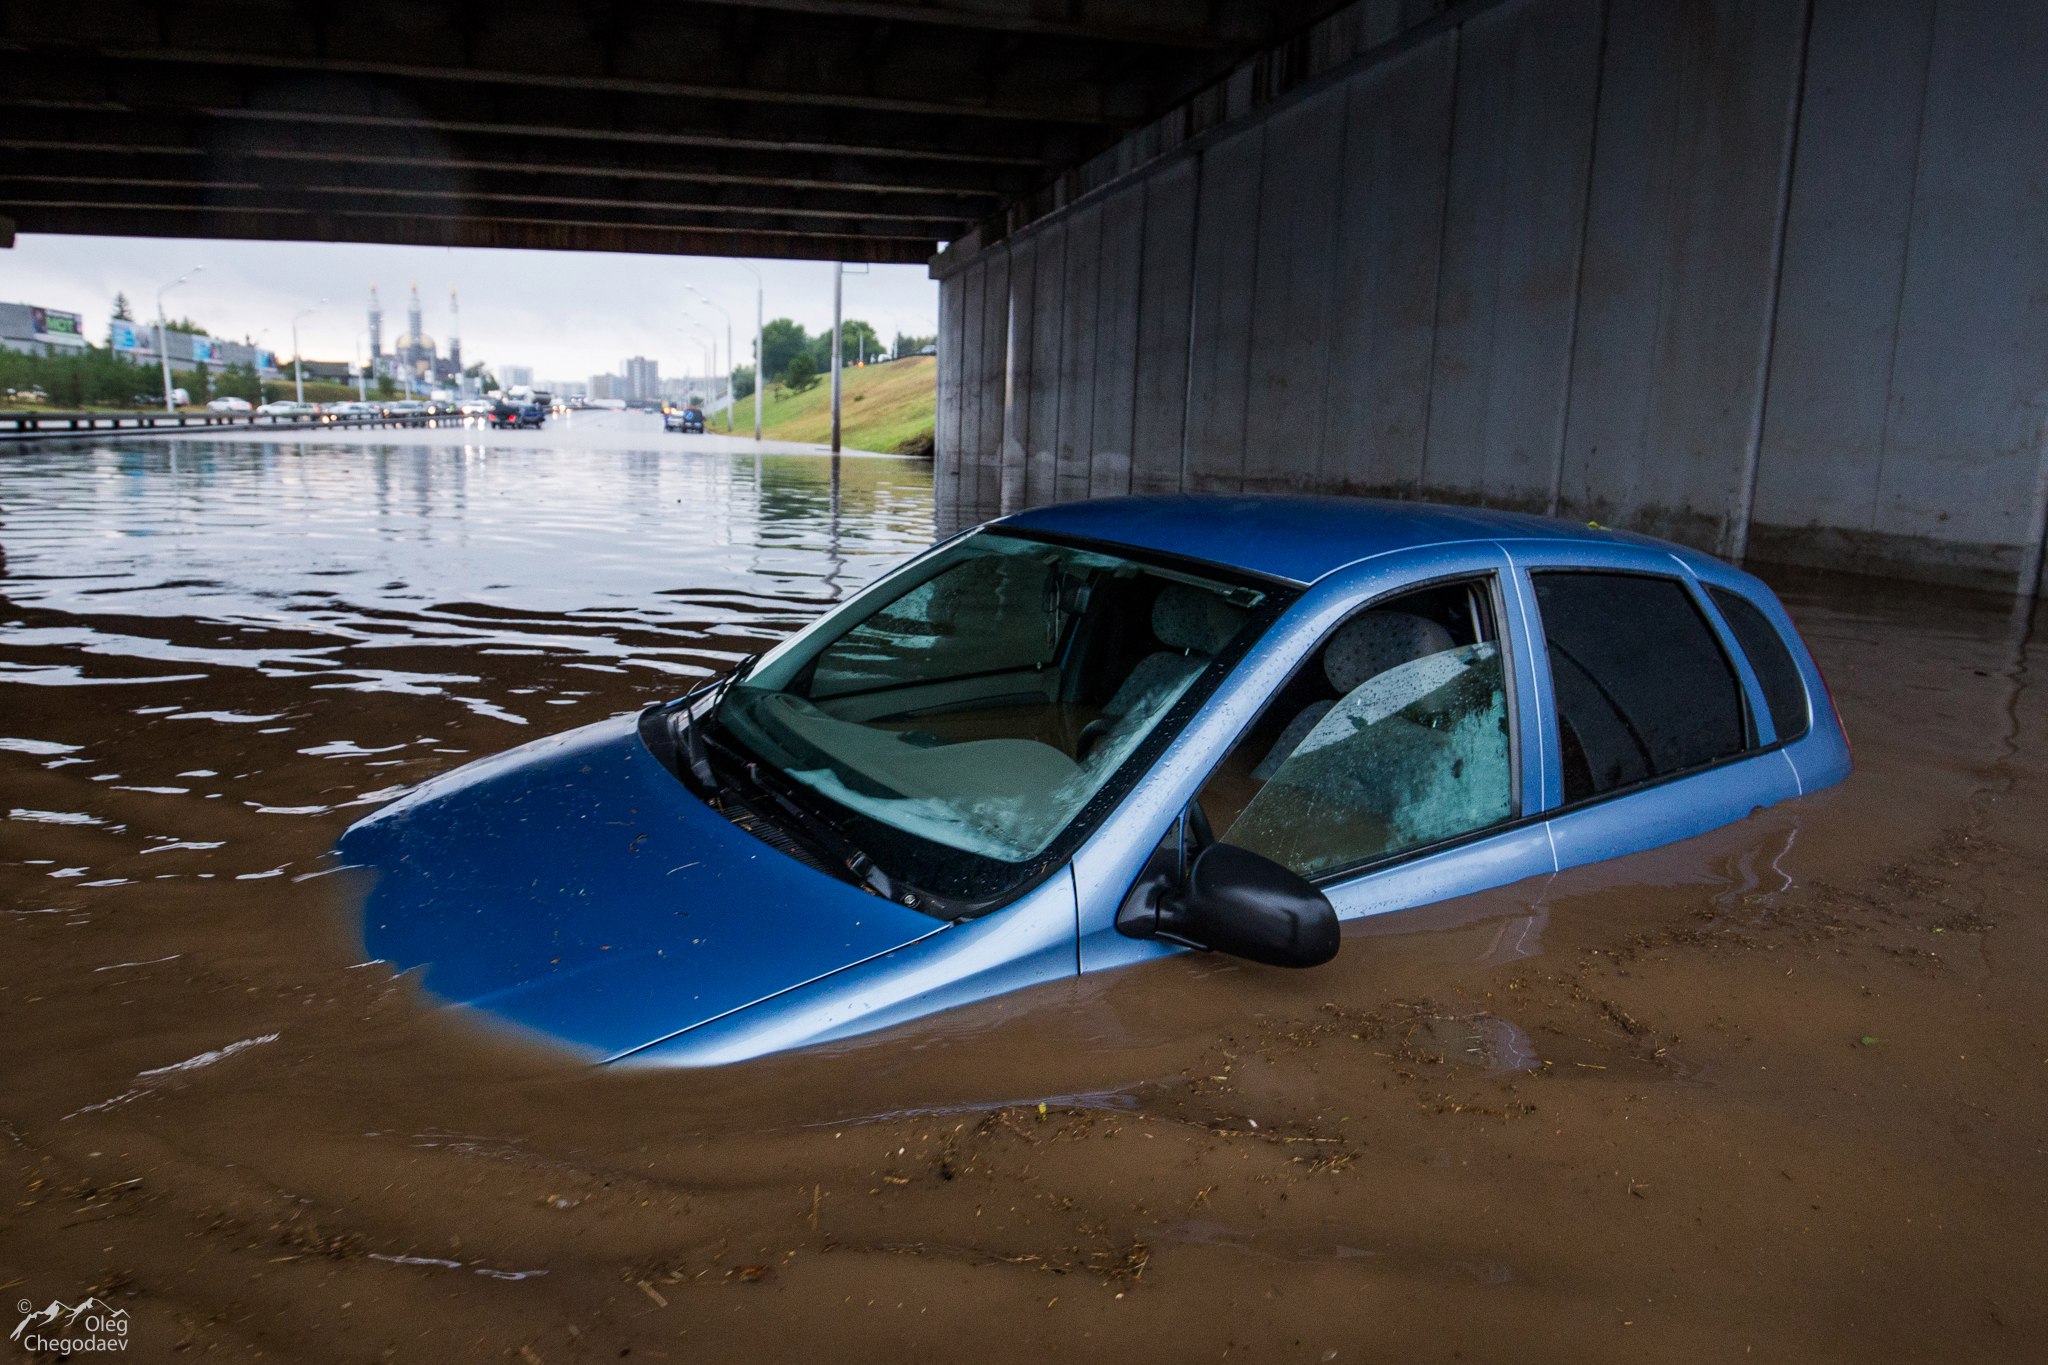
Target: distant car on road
{"points": [[229, 405], [285, 407], [688, 419], [407, 407], [352, 409], [476, 407], [1088, 735], [928, 350], [506, 414]]}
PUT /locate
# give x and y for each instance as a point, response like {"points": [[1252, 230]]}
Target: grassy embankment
{"points": [[890, 407]]}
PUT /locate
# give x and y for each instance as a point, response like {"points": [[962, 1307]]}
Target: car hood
{"points": [[574, 887]]}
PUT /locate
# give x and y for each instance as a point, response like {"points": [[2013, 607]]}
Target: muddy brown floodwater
{"points": [[1777, 1093]]}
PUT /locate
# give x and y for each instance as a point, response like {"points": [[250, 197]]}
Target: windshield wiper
{"points": [[672, 730], [695, 755], [861, 869]]}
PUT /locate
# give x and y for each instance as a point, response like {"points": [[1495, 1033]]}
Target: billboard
{"points": [[49, 323], [202, 349], [127, 336]]}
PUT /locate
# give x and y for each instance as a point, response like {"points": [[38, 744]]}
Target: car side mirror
{"points": [[1238, 902]]}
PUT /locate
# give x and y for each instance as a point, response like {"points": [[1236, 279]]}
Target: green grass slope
{"points": [[890, 407]]}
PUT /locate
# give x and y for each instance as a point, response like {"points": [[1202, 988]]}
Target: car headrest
{"points": [[1372, 642], [984, 593], [1185, 617]]}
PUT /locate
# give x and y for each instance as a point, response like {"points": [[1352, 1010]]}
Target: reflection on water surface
{"points": [[342, 564]]}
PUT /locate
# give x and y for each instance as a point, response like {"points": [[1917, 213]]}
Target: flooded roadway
{"points": [[1778, 1093]]}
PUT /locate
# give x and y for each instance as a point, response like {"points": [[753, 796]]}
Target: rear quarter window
{"points": [[1784, 689], [1642, 687]]}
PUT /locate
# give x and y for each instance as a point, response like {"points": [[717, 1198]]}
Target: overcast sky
{"points": [[567, 314]]}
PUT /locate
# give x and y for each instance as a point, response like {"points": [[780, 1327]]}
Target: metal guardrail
{"points": [[23, 425]]}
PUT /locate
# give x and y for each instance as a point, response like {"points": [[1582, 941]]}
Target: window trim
{"points": [[1494, 577], [1214, 569], [1707, 591], [1723, 637]]}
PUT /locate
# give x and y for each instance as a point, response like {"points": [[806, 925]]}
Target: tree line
{"points": [[98, 377], [795, 358]]}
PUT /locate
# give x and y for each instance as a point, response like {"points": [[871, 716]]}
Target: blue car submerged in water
{"points": [[1087, 735]]}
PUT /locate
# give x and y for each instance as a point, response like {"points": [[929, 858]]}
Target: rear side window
{"points": [[1643, 689], [1784, 690]]}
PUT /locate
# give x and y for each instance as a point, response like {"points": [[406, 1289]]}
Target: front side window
{"points": [[1393, 737], [1643, 689], [963, 717]]}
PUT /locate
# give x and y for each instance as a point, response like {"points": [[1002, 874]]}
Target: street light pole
{"points": [[760, 356], [709, 359], [706, 301], [298, 369], [713, 360], [163, 351], [838, 275]]}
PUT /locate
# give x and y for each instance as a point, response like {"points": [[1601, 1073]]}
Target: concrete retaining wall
{"points": [[1766, 276]]}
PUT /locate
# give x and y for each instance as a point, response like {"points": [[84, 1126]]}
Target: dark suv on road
{"points": [[506, 413], [689, 420]]}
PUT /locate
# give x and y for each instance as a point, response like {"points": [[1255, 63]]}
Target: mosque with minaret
{"points": [[413, 359]]}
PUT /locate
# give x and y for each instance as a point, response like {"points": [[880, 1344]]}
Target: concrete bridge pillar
{"points": [[1769, 277]]}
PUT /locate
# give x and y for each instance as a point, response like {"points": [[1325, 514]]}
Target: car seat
{"points": [[1190, 625], [1364, 647]]}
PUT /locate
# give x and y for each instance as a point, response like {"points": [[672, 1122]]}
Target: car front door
{"points": [[1375, 742]]}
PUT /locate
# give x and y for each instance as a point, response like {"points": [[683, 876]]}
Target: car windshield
{"points": [[964, 713]]}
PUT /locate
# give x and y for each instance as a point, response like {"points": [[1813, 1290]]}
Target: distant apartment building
{"points": [[514, 376], [35, 330], [643, 380], [603, 386]]}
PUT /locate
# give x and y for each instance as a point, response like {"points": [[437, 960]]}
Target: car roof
{"points": [[1300, 538]]}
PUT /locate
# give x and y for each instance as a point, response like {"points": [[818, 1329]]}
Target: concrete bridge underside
{"points": [[1766, 276], [868, 130]]}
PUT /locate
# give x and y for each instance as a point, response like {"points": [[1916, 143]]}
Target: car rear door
{"points": [[1650, 719]]}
